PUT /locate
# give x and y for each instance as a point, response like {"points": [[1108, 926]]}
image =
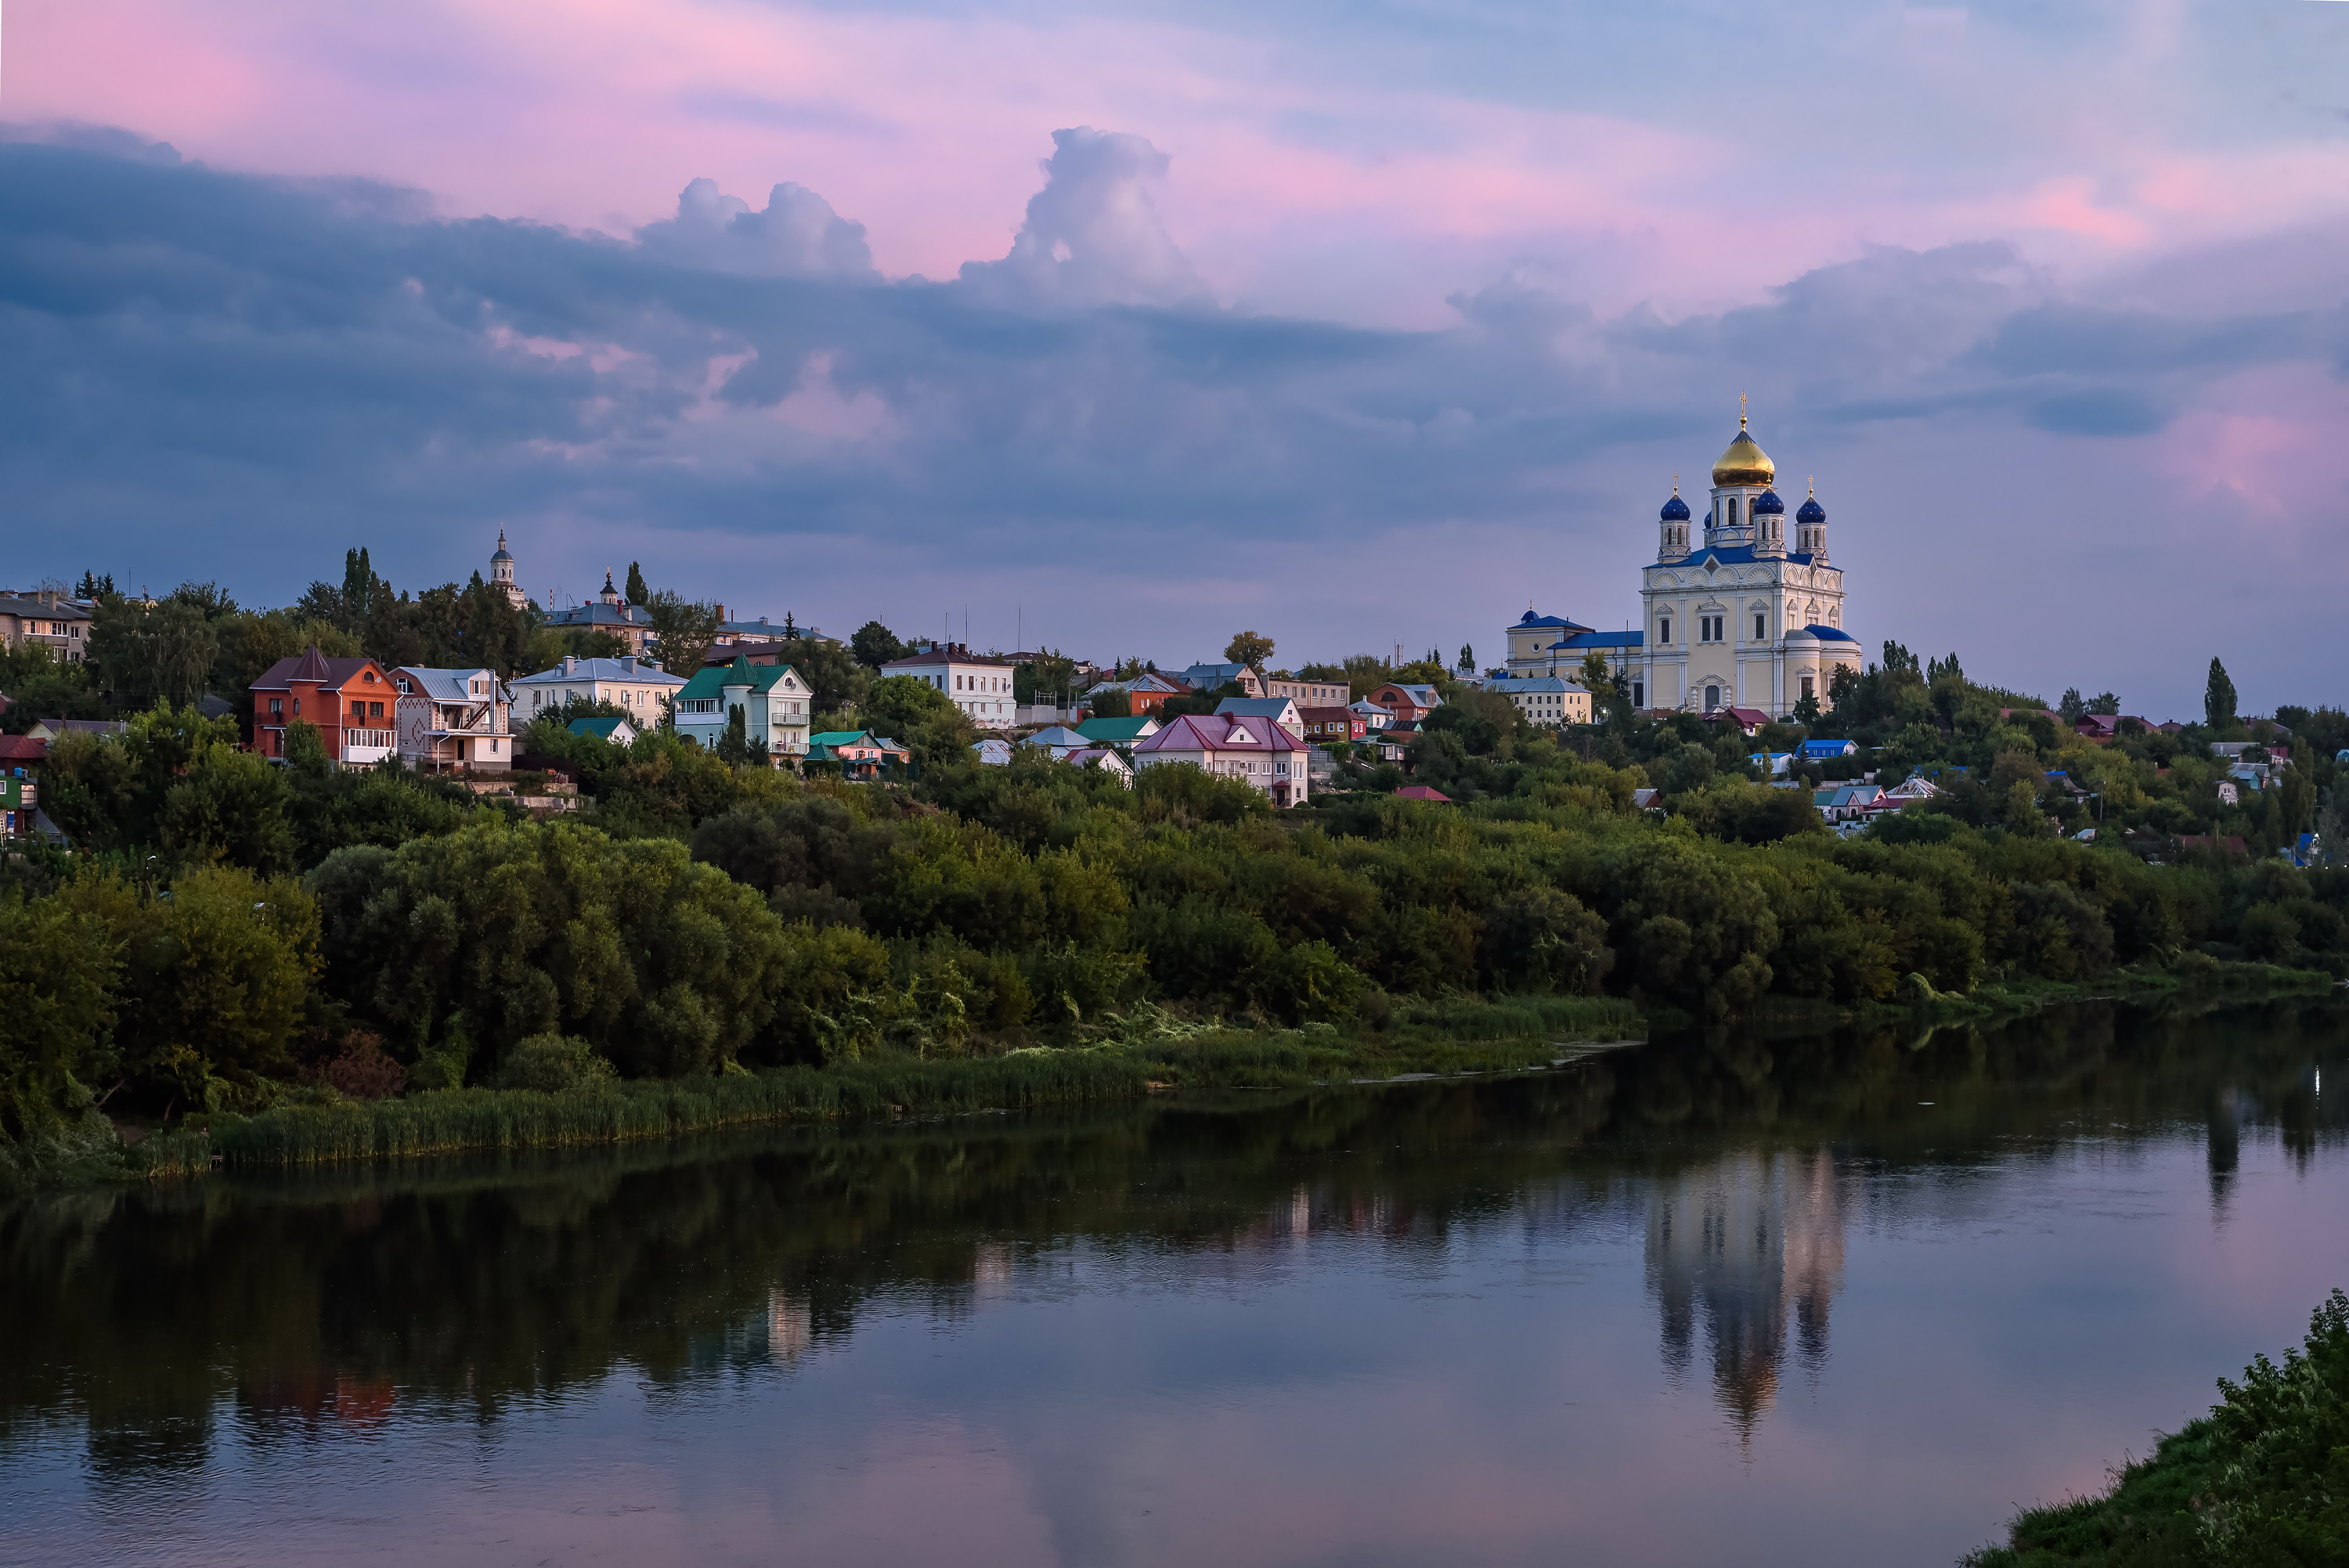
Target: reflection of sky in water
{"points": [[1748, 1352]]}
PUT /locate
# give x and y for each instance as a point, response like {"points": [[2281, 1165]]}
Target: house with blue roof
{"points": [[1820, 751], [1545, 699]]}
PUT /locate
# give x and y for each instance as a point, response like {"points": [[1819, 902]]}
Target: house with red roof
{"points": [[351, 703], [1235, 745]]}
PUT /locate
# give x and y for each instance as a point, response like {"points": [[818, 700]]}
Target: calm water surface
{"points": [[1741, 1299]]}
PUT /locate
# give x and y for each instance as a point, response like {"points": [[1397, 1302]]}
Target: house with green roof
{"points": [[774, 701], [617, 730], [858, 753], [1120, 733]]}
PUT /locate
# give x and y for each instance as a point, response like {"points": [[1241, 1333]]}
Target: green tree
{"points": [[639, 592], [1111, 702], [231, 808], [2073, 708], [1467, 659], [214, 978], [146, 652], [687, 630], [358, 590], [875, 645], [1249, 648], [467, 943], [2218, 699], [58, 970], [2105, 704]]}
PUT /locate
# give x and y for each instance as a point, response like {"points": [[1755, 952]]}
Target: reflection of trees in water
{"points": [[1746, 1243], [292, 1306]]}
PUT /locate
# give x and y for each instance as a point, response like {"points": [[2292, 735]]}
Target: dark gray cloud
{"points": [[217, 375]]}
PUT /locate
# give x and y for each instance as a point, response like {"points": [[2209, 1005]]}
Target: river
{"points": [[1754, 1297]]}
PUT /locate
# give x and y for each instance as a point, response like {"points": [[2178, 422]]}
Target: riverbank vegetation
{"points": [[2262, 1482], [230, 936]]}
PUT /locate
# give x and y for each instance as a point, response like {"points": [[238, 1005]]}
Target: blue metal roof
{"points": [[1675, 509], [1812, 511], [1831, 635], [1530, 619], [1606, 640], [1768, 502]]}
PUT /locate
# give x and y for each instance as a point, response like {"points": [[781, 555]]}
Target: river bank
{"points": [[1149, 1052], [2262, 1480], [1155, 1052]]}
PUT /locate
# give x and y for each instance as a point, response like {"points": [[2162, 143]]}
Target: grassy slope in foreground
{"points": [[2262, 1481], [1453, 1037]]}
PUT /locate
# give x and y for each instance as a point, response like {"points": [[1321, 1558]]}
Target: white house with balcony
{"points": [[451, 721], [774, 701]]}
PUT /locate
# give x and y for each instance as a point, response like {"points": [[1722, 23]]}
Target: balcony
{"points": [[366, 745], [706, 707]]}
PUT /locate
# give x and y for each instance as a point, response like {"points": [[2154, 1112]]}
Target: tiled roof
{"points": [[312, 668]]}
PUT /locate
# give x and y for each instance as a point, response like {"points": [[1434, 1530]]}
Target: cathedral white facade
{"points": [[1730, 616]]}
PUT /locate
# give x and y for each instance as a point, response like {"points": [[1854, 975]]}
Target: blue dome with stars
{"points": [[1812, 511], [1675, 509], [1768, 501]]}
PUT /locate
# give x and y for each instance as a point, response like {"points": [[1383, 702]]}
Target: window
{"points": [[402, 682], [1639, 694], [375, 710], [1761, 627], [277, 707], [358, 709], [1712, 698], [1807, 690], [1664, 631], [1708, 628], [1733, 511]]}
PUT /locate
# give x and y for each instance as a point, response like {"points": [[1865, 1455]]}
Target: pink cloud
{"points": [[928, 129]]}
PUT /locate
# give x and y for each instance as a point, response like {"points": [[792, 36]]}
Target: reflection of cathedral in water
{"points": [[1748, 1243]]}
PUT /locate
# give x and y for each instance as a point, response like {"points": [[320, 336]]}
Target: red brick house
{"points": [[350, 702], [1409, 704]]}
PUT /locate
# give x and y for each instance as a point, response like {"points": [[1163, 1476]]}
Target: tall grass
{"points": [[1467, 1035], [447, 1120]]}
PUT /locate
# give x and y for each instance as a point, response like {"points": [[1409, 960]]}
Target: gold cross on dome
{"points": [[1741, 410]]}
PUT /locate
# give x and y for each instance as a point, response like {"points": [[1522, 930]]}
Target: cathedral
{"points": [[1731, 618]]}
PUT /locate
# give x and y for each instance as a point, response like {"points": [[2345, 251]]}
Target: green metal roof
{"points": [[1115, 730], [713, 680]]}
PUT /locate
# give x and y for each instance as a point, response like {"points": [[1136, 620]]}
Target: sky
{"points": [[1121, 328]]}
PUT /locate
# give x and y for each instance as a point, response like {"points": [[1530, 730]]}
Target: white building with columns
{"points": [[1730, 616]]}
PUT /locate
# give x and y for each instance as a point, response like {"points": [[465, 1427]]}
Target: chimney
{"points": [[570, 664], [630, 665]]}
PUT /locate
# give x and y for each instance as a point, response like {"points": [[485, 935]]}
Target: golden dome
{"points": [[1744, 463]]}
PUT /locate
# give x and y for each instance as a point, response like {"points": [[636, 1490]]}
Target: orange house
{"points": [[348, 701]]}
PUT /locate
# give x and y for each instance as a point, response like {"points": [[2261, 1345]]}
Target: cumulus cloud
{"points": [[797, 235], [1091, 236], [222, 375]]}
